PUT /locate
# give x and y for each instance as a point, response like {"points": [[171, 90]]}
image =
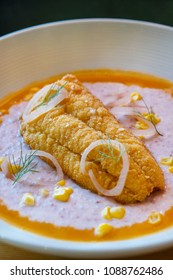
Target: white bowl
{"points": [[40, 52], [45, 50]]}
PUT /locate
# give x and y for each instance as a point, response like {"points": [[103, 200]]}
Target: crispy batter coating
{"points": [[71, 127]]}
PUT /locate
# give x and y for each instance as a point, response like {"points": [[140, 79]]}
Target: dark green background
{"points": [[18, 14]]}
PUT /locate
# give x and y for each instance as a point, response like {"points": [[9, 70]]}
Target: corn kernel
{"points": [[44, 192], [135, 96], [68, 190], [117, 212], [151, 117], [28, 199], [141, 137], [106, 213], [156, 119], [14, 168], [171, 169], [102, 230], [141, 125], [167, 161], [155, 217], [62, 194], [61, 183]]}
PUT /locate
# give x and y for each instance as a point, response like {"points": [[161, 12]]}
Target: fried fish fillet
{"points": [[68, 129]]}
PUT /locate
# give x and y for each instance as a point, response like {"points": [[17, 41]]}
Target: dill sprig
{"points": [[23, 165], [111, 151], [48, 97], [151, 114]]}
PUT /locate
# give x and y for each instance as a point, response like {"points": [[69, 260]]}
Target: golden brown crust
{"points": [[68, 130]]}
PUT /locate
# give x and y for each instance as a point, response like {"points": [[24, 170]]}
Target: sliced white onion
{"points": [[132, 111], [118, 188], [116, 99], [52, 159], [123, 99], [35, 100], [127, 111], [5, 164], [30, 114], [147, 133], [5, 169]]}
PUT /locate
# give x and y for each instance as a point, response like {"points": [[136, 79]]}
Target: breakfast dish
{"points": [[88, 157]]}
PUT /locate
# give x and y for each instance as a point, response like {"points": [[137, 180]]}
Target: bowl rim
{"points": [[85, 20], [74, 249]]}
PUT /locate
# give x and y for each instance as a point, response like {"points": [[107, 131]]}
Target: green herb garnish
{"points": [[23, 166], [111, 151], [151, 114]]}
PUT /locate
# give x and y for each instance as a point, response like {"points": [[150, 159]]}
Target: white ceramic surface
{"points": [[46, 50]]}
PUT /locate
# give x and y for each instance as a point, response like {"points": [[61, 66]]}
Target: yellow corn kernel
{"points": [[141, 137], [102, 230], [141, 125], [106, 213], [117, 212], [61, 183], [28, 199], [156, 119], [171, 169], [68, 190], [135, 96], [167, 161], [14, 168], [151, 117], [44, 192], [62, 194], [155, 217]]}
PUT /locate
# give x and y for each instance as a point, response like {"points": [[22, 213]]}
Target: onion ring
{"points": [[118, 188]]}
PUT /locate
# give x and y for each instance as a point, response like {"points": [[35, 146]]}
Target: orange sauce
{"points": [[69, 233]]}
